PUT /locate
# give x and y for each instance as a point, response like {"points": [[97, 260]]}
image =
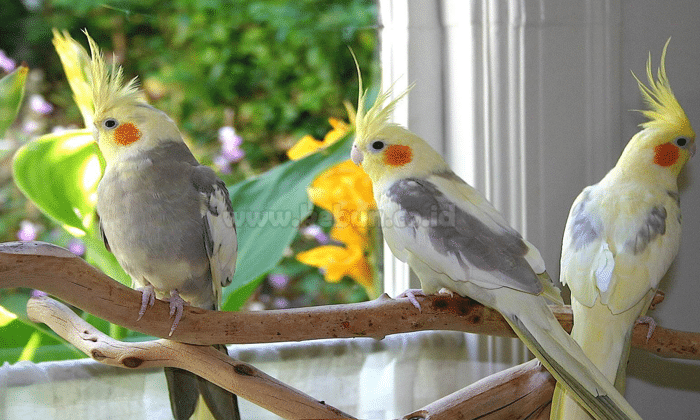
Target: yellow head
{"points": [[667, 139], [387, 151], [124, 123]]}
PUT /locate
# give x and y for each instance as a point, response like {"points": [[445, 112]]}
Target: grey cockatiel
{"points": [[453, 238], [167, 219]]}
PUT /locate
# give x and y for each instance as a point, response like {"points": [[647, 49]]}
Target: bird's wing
{"points": [[456, 233], [220, 237], [618, 245], [102, 232]]}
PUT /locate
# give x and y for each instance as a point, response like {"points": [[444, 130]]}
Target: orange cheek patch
{"points": [[126, 134], [666, 154], [398, 155]]}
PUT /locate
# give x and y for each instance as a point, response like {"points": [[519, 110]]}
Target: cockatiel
{"points": [[623, 233], [167, 219], [453, 238]]}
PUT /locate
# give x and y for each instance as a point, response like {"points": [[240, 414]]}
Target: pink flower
{"points": [[38, 104], [315, 232], [28, 231], [77, 247], [278, 281], [6, 63]]}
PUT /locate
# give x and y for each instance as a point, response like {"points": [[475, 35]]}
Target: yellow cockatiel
{"points": [[453, 238], [622, 234]]}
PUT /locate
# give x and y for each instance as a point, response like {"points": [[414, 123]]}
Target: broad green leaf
{"points": [[11, 95], [60, 173], [268, 212]]}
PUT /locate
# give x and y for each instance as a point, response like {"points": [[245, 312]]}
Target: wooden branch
{"points": [[521, 392], [56, 271], [205, 361]]}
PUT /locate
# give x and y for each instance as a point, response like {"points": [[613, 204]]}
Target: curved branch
{"points": [[523, 391], [26, 264], [241, 378]]}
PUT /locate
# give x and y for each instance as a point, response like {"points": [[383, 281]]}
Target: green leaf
{"points": [[60, 173], [268, 211], [11, 95]]}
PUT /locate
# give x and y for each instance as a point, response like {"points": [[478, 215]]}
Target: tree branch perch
{"points": [[241, 378], [58, 272]]}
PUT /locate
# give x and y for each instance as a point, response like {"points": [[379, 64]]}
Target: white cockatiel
{"points": [[622, 234], [453, 238], [167, 219]]}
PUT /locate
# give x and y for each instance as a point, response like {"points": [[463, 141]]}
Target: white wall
{"points": [[528, 100]]}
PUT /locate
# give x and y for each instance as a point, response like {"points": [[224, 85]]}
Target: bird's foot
{"points": [[411, 294], [148, 298], [177, 305], [651, 323]]}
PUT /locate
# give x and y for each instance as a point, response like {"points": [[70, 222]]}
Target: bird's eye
{"points": [[377, 145], [681, 142], [110, 123]]}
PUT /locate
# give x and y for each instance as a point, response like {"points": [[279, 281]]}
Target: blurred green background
{"points": [[266, 73]]}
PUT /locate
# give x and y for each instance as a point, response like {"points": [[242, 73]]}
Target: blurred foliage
{"points": [[274, 70]]}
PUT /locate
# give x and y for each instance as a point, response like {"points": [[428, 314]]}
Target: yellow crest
{"points": [[369, 122], [108, 87], [664, 110], [76, 64]]}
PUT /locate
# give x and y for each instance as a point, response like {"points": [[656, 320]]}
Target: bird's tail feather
{"points": [[605, 339], [568, 364], [188, 392]]}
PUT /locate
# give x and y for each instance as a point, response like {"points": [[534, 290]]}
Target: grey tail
{"points": [[596, 394], [185, 387]]}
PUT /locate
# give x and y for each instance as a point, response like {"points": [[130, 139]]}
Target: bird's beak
{"points": [[356, 155], [692, 149]]}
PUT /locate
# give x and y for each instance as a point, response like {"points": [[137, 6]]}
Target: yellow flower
{"points": [[337, 262], [346, 192], [305, 146], [308, 144]]}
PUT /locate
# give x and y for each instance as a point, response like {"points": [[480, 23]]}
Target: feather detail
{"points": [[76, 64], [108, 86], [371, 121], [664, 108]]}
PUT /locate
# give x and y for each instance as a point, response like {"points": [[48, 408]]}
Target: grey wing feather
{"points": [[220, 236], [102, 233], [464, 236]]}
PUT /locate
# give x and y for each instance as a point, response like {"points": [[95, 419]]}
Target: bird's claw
{"points": [[651, 323], [148, 298], [177, 305], [411, 294]]}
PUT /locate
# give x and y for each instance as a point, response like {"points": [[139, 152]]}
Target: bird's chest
{"points": [[149, 213]]}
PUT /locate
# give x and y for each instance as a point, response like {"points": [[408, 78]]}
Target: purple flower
{"points": [[230, 144], [28, 231], [222, 164], [38, 293], [6, 63], [30, 127], [77, 247], [228, 136], [317, 233], [280, 303], [278, 280], [233, 155], [38, 104]]}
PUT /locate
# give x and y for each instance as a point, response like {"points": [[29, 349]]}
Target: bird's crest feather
{"points": [[76, 64], [108, 86], [664, 110], [368, 122]]}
